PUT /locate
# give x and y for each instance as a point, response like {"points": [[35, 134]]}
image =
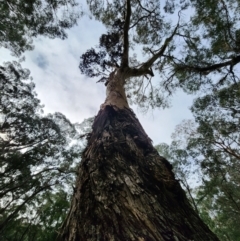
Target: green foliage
{"points": [[23, 20], [211, 54], [38, 156], [209, 150], [42, 222], [218, 117]]}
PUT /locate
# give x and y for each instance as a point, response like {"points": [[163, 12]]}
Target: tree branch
{"points": [[210, 68], [228, 21], [125, 56], [150, 62], [145, 68], [150, 12], [2, 225], [139, 20], [226, 149]]}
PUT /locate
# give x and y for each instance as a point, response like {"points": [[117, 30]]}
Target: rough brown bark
{"points": [[126, 191]]}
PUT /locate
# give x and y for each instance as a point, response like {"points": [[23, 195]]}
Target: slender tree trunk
{"points": [[124, 189]]}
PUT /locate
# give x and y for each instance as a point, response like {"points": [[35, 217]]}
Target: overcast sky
{"points": [[61, 87]]}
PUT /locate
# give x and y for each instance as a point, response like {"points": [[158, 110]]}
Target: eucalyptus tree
{"points": [[184, 168], [217, 149], [124, 189], [37, 157], [22, 20], [208, 148]]}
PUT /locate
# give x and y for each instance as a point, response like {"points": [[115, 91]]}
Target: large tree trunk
{"points": [[125, 190]]}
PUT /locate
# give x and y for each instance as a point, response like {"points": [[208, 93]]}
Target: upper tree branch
{"points": [[139, 20], [139, 2], [228, 20], [125, 36], [145, 16], [210, 68], [145, 68], [150, 62]]}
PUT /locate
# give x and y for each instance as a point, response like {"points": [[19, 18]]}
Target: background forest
{"points": [[39, 153]]}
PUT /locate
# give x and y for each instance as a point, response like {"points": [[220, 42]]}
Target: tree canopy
{"points": [[21, 21], [181, 41], [208, 149], [38, 159]]}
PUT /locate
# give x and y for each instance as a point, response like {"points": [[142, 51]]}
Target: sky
{"points": [[62, 88]]}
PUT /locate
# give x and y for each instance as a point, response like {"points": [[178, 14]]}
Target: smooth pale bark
{"points": [[124, 189], [115, 93]]}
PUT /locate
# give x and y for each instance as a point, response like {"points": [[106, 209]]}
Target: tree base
{"points": [[126, 191]]}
